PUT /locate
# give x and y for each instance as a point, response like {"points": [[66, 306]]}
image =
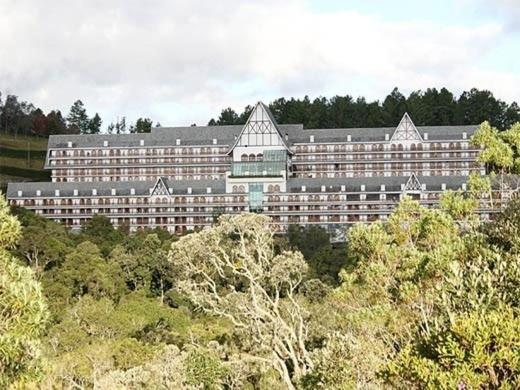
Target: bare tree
{"points": [[231, 270]]}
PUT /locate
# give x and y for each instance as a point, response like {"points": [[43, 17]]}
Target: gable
{"points": [[413, 184], [160, 189], [406, 131], [260, 129]]}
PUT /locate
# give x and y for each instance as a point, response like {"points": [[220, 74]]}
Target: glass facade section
{"points": [[256, 197], [274, 161]]}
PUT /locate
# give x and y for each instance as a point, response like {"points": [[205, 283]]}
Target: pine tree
{"points": [[142, 125], [78, 119], [94, 125]]}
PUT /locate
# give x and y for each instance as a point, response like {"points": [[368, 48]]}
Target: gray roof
{"points": [[225, 135], [393, 183], [375, 134], [105, 188], [160, 136]]}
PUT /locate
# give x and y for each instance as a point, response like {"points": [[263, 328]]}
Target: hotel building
{"points": [[182, 178]]}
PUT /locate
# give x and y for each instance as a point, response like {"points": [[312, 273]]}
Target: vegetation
{"points": [[22, 119], [22, 159], [427, 108], [428, 299], [23, 310]]}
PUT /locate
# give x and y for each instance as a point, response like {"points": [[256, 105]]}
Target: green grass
{"points": [[22, 142], [22, 159]]}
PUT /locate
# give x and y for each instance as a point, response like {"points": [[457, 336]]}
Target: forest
{"points": [[431, 107], [427, 300]]}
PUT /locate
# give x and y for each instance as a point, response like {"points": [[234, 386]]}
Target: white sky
{"points": [[180, 62]]}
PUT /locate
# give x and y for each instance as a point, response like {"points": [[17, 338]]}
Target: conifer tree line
{"points": [[431, 107], [18, 117]]}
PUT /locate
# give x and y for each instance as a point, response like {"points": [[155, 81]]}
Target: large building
{"points": [[181, 178]]}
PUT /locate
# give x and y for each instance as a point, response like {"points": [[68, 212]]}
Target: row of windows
{"points": [[386, 156], [320, 148], [134, 161], [186, 150], [216, 201], [386, 166], [116, 178], [401, 173], [138, 171]]}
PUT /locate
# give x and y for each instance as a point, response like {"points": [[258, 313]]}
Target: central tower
{"points": [[260, 158]]}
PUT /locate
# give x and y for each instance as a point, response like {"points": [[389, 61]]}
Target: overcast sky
{"points": [[180, 62]]}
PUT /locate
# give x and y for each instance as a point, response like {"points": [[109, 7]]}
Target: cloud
{"points": [[182, 61], [506, 11]]}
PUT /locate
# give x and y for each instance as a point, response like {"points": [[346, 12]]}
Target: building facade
{"points": [[182, 178]]}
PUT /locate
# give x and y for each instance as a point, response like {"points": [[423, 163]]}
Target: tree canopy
{"points": [[428, 299], [431, 107]]}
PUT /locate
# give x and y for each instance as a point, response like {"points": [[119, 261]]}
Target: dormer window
{"points": [[69, 144], [189, 190], [20, 193], [132, 191], [177, 142], [311, 138], [94, 192], [57, 192], [141, 142], [113, 191], [105, 143], [75, 192], [38, 193], [214, 141]]}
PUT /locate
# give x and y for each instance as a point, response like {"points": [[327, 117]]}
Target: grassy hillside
{"points": [[22, 159]]}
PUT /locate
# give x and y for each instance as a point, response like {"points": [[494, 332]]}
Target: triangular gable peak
{"points": [[260, 129], [406, 131], [413, 184], [160, 188]]}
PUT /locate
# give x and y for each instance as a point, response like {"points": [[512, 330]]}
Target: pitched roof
{"points": [[228, 135], [406, 130], [373, 184], [179, 187], [258, 124], [160, 188], [413, 184]]}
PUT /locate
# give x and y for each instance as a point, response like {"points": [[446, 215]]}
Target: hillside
{"points": [[22, 159]]}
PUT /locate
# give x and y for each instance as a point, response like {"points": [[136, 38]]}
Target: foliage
{"points": [[428, 299], [142, 125], [23, 312], [231, 270], [474, 350], [431, 107], [324, 259]]}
